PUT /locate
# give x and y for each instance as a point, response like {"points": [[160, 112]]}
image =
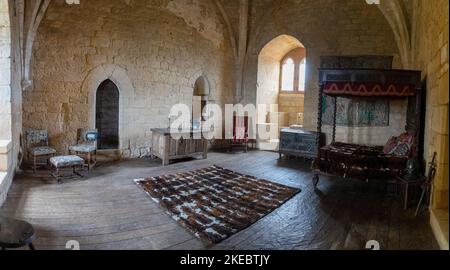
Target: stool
{"points": [[63, 162], [409, 190], [16, 234]]}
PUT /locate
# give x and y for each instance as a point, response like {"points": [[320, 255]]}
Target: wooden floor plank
{"points": [[106, 210]]}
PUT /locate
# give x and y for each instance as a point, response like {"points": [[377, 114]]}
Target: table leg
{"points": [[405, 206], [34, 164], [89, 161], [31, 246], [57, 176]]}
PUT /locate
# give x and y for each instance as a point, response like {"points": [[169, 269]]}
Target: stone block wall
{"points": [[293, 105], [6, 168], [350, 28], [5, 72], [154, 51], [430, 52]]}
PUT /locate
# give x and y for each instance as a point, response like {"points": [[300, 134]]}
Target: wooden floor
{"points": [[108, 211]]}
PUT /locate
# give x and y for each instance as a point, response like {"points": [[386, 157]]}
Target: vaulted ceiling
{"points": [[238, 17]]}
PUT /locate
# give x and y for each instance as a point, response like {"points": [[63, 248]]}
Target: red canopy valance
{"points": [[367, 89]]}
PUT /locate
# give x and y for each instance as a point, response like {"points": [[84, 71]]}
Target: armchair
{"points": [[37, 147], [240, 133], [86, 146]]}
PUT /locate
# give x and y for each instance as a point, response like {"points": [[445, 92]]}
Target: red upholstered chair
{"points": [[240, 133]]}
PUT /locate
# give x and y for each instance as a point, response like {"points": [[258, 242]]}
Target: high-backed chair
{"points": [[37, 147], [240, 133], [86, 146]]}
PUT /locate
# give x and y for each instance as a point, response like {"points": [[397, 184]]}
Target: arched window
{"points": [[302, 76], [293, 71], [288, 75]]}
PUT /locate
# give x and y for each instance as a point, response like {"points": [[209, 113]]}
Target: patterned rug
{"points": [[215, 203]]}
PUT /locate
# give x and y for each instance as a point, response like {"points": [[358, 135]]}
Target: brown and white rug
{"points": [[215, 203]]}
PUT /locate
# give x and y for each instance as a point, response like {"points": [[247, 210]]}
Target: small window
{"points": [[288, 75], [293, 71]]}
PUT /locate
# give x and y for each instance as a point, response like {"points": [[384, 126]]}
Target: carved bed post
{"points": [[319, 132], [334, 118]]}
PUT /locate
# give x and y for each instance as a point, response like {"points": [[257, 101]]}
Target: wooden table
{"points": [[16, 234], [171, 146]]}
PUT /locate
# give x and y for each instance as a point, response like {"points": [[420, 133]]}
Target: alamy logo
{"points": [[373, 2], [373, 245], [73, 2], [73, 245]]}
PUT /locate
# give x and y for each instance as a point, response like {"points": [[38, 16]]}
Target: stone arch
{"points": [[268, 83], [211, 81], [202, 86], [395, 15], [269, 60], [119, 77], [6, 129], [37, 10]]}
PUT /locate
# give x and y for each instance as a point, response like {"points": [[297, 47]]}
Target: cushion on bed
{"points": [[400, 146]]}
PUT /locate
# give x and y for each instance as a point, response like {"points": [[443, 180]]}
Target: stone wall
{"points": [[5, 101], [293, 104], [154, 51], [430, 51], [325, 27], [430, 54], [10, 97], [5, 72]]}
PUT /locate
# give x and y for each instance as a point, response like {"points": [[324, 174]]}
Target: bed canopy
{"points": [[341, 158]]}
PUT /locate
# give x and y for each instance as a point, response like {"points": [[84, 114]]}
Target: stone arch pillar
{"points": [[397, 19], [119, 77], [6, 153], [5, 72]]}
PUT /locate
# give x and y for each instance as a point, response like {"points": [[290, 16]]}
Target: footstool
{"points": [[64, 162]]}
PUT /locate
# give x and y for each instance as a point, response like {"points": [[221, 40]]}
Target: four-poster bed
{"points": [[359, 161]]}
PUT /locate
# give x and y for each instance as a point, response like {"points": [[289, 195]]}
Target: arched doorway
{"points": [[281, 82], [107, 115]]}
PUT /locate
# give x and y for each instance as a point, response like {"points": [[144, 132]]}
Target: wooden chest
{"points": [[299, 143], [188, 144]]}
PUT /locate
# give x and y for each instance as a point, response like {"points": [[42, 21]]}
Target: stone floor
{"points": [[108, 211]]}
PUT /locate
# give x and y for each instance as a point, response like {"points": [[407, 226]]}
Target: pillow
{"points": [[406, 137], [402, 149], [390, 145], [400, 146], [91, 136]]}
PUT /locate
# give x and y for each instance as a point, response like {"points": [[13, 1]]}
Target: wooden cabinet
{"points": [[167, 146]]}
